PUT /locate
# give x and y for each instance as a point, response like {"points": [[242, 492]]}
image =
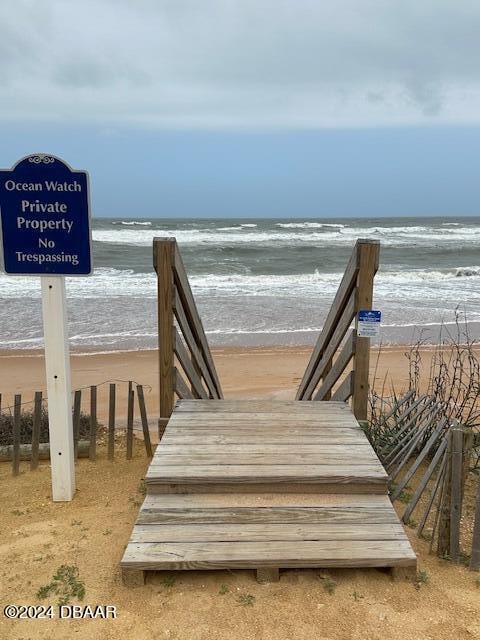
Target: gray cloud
{"points": [[255, 63]]}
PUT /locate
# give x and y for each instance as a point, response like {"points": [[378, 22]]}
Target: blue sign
{"points": [[368, 324], [45, 218]]}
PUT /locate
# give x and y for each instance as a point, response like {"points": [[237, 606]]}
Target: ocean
{"points": [[259, 281]]}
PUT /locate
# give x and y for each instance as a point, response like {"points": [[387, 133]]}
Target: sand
{"points": [[37, 536], [252, 372]]}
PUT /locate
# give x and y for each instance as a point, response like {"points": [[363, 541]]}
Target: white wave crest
{"points": [[308, 225], [398, 236], [132, 223], [395, 285]]}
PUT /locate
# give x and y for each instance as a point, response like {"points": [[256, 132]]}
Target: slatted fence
{"points": [[24, 425], [415, 442]]}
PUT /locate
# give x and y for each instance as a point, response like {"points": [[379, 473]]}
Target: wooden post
{"points": [[368, 253], [93, 423], [16, 434], [111, 422], [456, 492], [475, 558], [77, 404], [143, 415], [468, 440], [443, 546], [37, 419], [163, 261], [130, 407]]}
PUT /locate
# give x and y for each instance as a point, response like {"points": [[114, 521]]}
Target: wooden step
{"points": [[362, 478], [267, 530], [264, 485], [218, 446]]}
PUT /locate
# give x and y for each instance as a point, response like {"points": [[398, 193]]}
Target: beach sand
{"points": [[91, 532], [243, 372]]}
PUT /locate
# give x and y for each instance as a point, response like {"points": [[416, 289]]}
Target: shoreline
{"points": [[244, 372], [39, 353]]}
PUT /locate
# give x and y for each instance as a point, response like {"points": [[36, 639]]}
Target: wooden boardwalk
{"points": [[265, 484]]}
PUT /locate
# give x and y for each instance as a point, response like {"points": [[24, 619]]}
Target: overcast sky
{"points": [[224, 82]]}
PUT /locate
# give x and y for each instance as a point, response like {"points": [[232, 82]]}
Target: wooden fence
{"points": [[323, 372], [186, 366], [30, 420], [415, 441]]}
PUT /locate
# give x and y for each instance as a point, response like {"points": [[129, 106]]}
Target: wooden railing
{"points": [[323, 372], [181, 336]]}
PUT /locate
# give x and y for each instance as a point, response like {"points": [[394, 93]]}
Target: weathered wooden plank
{"points": [[206, 420], [281, 515], [404, 454], [181, 387], [163, 261], [143, 416], [130, 411], [288, 458], [262, 429], [37, 418], [292, 486], [419, 459], [195, 321], [93, 423], [111, 422], [417, 409], [77, 403], [280, 473], [269, 420], [436, 486], [338, 367], [187, 365], [406, 433], [197, 355], [6, 452], [17, 409], [349, 450], [456, 492], [351, 553], [443, 510], [255, 405], [423, 482], [475, 558], [270, 530], [345, 390], [204, 437], [235, 500]]}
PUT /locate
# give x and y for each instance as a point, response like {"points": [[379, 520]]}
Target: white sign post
{"points": [[45, 229], [59, 387]]}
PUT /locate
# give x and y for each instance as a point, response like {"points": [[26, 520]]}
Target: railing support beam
{"points": [[163, 261], [368, 254]]}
